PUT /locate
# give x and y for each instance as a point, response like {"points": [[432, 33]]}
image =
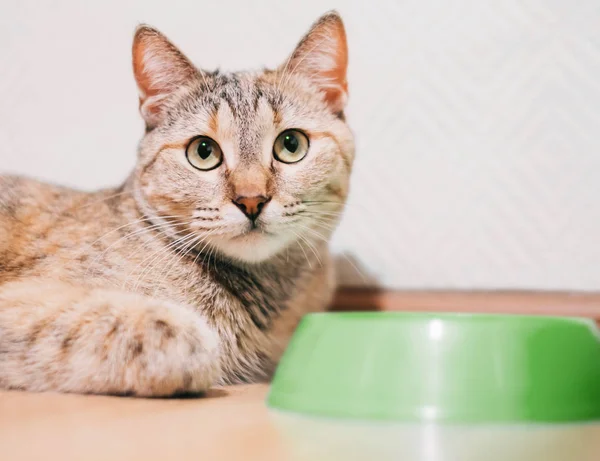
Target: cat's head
{"points": [[247, 163]]}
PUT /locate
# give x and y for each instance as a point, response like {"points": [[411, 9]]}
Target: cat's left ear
{"points": [[322, 56], [160, 69]]}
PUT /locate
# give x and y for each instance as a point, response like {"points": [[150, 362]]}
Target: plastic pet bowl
{"points": [[441, 367]]}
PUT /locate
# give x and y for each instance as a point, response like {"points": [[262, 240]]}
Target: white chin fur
{"points": [[254, 247]]}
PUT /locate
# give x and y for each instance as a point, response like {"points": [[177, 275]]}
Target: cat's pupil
{"points": [[290, 143], [204, 150]]}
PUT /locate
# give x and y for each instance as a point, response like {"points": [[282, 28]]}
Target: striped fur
{"points": [[161, 286]]}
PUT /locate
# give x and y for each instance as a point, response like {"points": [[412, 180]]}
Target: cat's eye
{"points": [[291, 146], [204, 153]]}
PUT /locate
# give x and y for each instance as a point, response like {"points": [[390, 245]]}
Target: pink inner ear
{"points": [[149, 108], [138, 68], [150, 112], [143, 46], [160, 69], [336, 96], [322, 56]]}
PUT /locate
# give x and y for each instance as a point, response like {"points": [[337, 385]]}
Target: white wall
{"points": [[478, 122]]}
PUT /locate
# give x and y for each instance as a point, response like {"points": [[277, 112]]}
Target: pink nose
{"points": [[251, 206]]}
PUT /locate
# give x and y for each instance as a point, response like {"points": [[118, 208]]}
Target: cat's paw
{"points": [[57, 337], [145, 347], [172, 354]]}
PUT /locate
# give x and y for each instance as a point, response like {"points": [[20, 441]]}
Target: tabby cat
{"points": [[196, 270]]}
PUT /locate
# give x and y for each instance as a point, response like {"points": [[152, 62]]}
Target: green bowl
{"points": [[441, 367]]}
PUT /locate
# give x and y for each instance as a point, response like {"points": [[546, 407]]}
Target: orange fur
{"points": [[163, 286]]}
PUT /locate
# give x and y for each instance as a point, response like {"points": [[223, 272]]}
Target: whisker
{"points": [[104, 199], [157, 254], [330, 220], [335, 202], [346, 205], [149, 239], [302, 248], [199, 252], [206, 256], [314, 232], [312, 248], [172, 250], [324, 217], [330, 214], [212, 254], [324, 225], [128, 224], [159, 257], [138, 232], [358, 271], [182, 253]]}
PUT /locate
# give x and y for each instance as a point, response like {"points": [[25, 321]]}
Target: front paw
{"points": [[56, 337], [173, 355], [147, 348]]}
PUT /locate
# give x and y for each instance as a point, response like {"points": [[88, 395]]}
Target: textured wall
{"points": [[478, 122]]}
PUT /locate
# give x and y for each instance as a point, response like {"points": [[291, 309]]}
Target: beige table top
{"points": [[234, 424], [231, 423]]}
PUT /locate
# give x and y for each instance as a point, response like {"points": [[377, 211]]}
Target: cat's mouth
{"points": [[252, 244], [254, 230]]}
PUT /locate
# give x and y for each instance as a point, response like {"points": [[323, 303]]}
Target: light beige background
{"points": [[478, 122]]}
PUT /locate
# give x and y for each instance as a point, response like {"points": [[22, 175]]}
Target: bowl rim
{"points": [[451, 316]]}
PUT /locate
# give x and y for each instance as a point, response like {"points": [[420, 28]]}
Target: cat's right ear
{"points": [[160, 69]]}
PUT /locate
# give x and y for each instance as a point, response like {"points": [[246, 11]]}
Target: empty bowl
{"points": [[441, 367]]}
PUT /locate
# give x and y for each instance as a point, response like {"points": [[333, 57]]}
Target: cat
{"points": [[197, 269]]}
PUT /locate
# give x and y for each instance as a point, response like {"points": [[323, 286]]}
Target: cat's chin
{"points": [[252, 247]]}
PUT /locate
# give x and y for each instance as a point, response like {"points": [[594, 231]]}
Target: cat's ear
{"points": [[159, 69], [322, 56]]}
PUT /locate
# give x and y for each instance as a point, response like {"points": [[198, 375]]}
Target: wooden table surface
{"points": [[233, 423]]}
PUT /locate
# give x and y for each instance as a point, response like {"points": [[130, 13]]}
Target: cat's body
{"points": [[58, 245], [163, 285]]}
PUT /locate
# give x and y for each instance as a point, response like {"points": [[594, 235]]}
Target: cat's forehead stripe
{"points": [[244, 96], [242, 92]]}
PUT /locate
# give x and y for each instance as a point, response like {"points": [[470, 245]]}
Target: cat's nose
{"points": [[252, 206]]}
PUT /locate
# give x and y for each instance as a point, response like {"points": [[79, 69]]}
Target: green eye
{"points": [[204, 153], [291, 146]]}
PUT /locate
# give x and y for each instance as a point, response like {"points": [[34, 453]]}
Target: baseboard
{"points": [[509, 302]]}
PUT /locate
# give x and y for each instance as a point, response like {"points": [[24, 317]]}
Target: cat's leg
{"points": [[54, 336]]}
